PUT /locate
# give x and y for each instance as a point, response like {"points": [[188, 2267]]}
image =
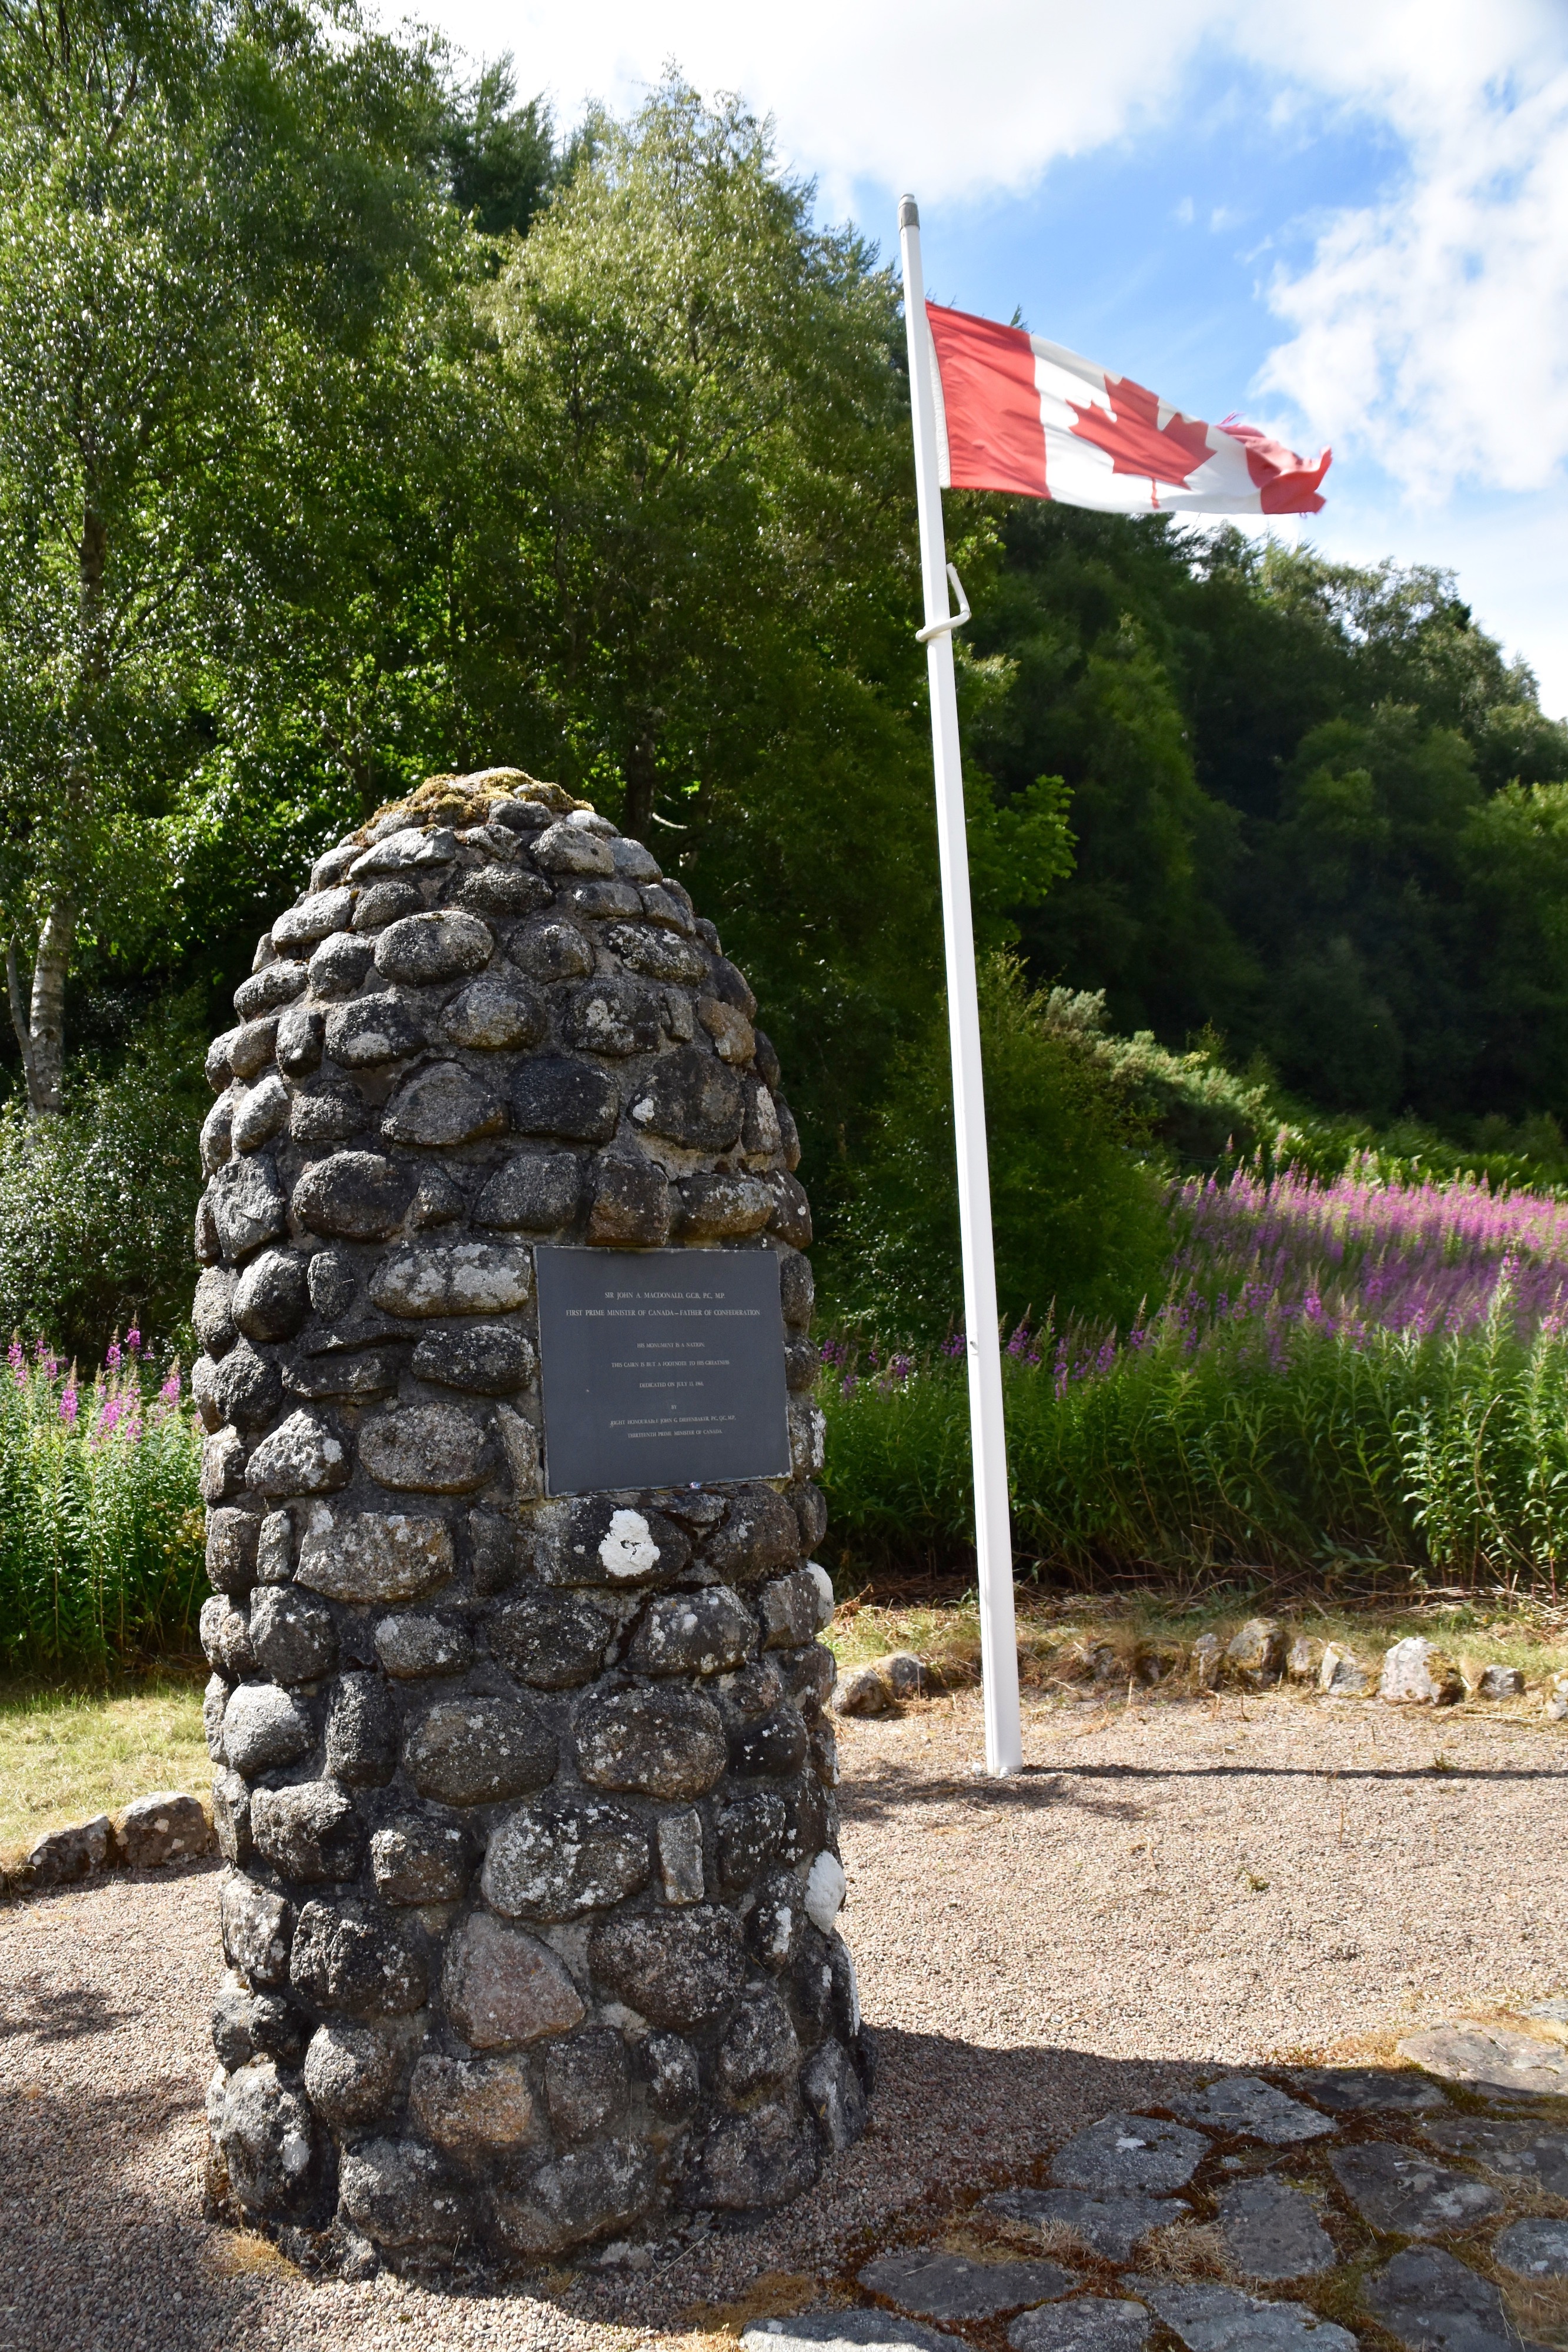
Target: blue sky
{"points": [[1349, 222]]}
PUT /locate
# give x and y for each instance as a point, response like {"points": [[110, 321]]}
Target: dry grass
{"points": [[244, 2253], [1063, 2243], [68, 1754], [1185, 2250], [1539, 2310], [771, 2295]]}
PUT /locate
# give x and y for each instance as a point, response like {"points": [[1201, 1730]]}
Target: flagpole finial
{"points": [[909, 213]]}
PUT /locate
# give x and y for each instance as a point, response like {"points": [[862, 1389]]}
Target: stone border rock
{"points": [[150, 1833]]}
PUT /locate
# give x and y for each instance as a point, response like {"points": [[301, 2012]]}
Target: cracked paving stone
{"points": [[949, 2287], [1222, 2319], [1362, 2090], [1398, 2188], [836, 2331], [1246, 2104], [1129, 2152], [1523, 2151], [1535, 2249], [1112, 2225], [1497, 2057], [1089, 2323], [1271, 2230], [1434, 2303]]}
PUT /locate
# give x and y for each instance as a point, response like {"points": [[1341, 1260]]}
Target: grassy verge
{"points": [[70, 1752]]}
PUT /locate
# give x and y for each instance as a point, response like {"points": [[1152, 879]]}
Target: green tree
{"points": [[208, 218], [1312, 805], [716, 592], [1078, 1219], [502, 157]]}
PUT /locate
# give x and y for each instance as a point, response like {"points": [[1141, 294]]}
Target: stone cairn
{"points": [[528, 1802]]}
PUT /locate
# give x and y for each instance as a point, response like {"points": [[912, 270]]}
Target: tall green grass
{"points": [[1441, 1457], [100, 1513]]}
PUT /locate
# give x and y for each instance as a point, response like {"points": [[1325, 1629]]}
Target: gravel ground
{"points": [[1165, 1887]]}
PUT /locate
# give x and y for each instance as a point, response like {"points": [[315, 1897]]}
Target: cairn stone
{"points": [[531, 1910]]}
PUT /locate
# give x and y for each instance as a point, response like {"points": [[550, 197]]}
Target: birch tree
{"points": [[204, 213]]}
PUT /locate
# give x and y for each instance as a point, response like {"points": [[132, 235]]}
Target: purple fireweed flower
{"points": [[133, 1341], [69, 1407], [112, 1357], [170, 1391], [956, 1344]]}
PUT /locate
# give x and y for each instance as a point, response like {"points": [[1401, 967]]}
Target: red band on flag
{"points": [[1286, 484], [996, 439]]}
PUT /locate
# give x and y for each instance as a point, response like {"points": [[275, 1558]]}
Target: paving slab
{"points": [[1222, 2319], [937, 2285], [1129, 2152], [1433, 2302], [1499, 2057], [1246, 2104], [1398, 2188], [1112, 2225], [836, 2331], [1271, 2230], [1368, 2090], [1522, 2152], [1535, 2249], [1086, 2322]]}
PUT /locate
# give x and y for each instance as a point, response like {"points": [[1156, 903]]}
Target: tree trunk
{"points": [[40, 1025], [641, 781]]}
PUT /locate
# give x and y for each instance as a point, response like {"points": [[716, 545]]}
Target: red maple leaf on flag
{"points": [[1134, 439]]}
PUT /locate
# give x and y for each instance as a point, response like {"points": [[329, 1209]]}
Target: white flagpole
{"points": [[993, 1533]]}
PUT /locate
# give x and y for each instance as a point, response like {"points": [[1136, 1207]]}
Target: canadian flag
{"points": [[1016, 413]]}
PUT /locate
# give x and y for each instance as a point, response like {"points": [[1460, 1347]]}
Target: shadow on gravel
{"points": [[890, 1788], [27, 2008]]}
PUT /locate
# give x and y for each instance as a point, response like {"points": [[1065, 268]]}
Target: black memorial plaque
{"points": [[661, 1368]]}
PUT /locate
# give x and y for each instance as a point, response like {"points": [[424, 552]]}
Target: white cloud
{"points": [[979, 100], [1431, 330], [956, 101]]}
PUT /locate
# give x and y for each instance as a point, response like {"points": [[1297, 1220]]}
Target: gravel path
{"points": [[1179, 1883]]}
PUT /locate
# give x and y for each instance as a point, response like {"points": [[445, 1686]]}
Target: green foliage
{"points": [[1077, 1218], [1315, 812], [501, 156], [1440, 1458], [711, 497], [1191, 1108], [101, 1533], [95, 1205], [213, 226]]}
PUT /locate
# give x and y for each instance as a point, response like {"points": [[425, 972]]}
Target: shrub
{"points": [[1077, 1218], [95, 1205]]}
